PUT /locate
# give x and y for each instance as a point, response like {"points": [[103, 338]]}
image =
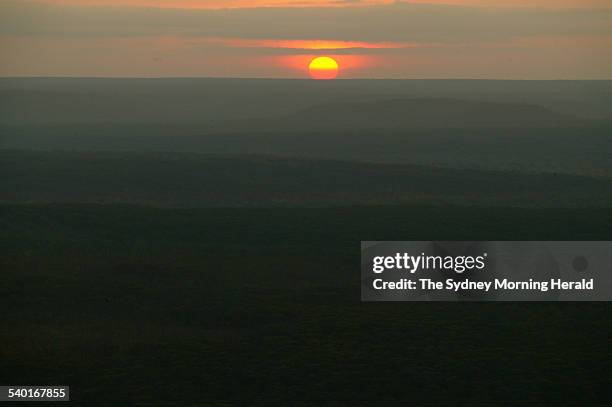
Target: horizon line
{"points": [[303, 79]]}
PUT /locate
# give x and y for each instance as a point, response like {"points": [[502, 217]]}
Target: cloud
{"points": [[546, 58], [217, 4], [319, 45], [389, 23]]}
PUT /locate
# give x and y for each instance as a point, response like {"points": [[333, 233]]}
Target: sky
{"points": [[480, 39]]}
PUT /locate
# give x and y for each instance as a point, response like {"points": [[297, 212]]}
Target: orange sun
{"points": [[323, 68]]}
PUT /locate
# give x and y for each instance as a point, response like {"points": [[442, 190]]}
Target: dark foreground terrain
{"points": [[143, 306], [190, 243]]}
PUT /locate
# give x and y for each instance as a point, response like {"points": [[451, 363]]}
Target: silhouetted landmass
{"points": [[193, 101], [161, 236], [562, 150], [192, 180], [555, 127], [404, 115]]}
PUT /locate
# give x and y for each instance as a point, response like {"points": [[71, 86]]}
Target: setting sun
{"points": [[323, 68]]}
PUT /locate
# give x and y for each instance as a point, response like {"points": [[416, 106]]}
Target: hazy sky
{"points": [[518, 39]]}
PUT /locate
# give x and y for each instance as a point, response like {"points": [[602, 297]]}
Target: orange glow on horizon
{"points": [[229, 4], [214, 4], [308, 44]]}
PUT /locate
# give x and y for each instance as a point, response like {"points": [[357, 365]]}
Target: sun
{"points": [[323, 68]]}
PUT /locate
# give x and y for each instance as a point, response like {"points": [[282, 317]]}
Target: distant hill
{"points": [[200, 101], [527, 126], [407, 114]]}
